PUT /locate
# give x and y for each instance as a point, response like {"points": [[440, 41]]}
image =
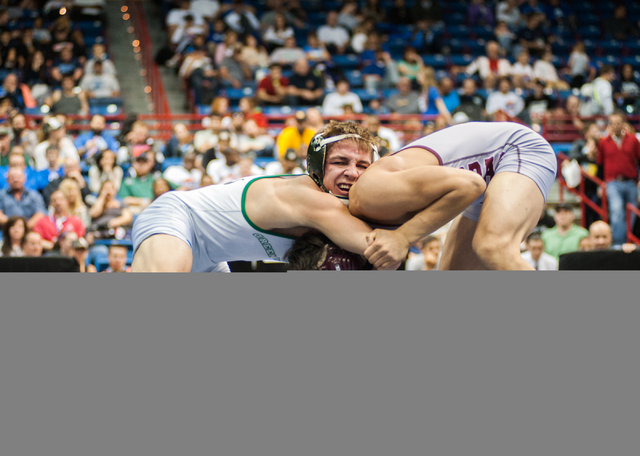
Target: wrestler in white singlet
{"points": [[489, 148], [213, 221]]}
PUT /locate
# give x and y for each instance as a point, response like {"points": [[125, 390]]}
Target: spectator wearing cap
{"points": [[19, 200], [137, 191], [60, 220], [535, 255], [69, 99], [619, 156], [305, 88], [565, 236], [55, 134], [22, 134], [80, 252], [335, 102], [100, 85], [272, 89], [288, 164], [90, 143], [294, 137], [335, 37]]}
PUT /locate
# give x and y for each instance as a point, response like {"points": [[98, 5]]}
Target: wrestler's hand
{"points": [[387, 249]]}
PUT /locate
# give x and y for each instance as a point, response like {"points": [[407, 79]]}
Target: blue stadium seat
{"points": [[170, 161], [633, 46], [589, 32], [278, 110], [235, 95], [263, 161], [606, 60], [460, 60], [348, 61], [587, 18], [355, 78], [387, 93], [105, 101], [634, 61], [203, 109], [482, 31], [610, 47], [458, 31], [366, 95], [436, 61]]}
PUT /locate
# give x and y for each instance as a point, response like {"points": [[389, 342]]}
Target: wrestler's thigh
{"points": [[511, 209], [457, 253], [162, 253]]}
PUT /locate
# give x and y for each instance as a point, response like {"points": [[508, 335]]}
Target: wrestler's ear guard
{"points": [[317, 154]]}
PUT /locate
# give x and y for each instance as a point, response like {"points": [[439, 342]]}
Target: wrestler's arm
{"points": [[449, 192], [330, 216]]}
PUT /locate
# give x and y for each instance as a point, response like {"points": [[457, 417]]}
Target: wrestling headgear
{"points": [[317, 154]]}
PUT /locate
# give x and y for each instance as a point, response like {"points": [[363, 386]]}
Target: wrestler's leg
{"points": [[511, 209], [162, 253], [457, 253]]}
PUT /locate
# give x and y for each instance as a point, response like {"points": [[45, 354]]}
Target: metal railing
{"points": [[630, 236], [602, 211]]}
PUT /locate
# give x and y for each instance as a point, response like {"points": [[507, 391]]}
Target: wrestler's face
{"points": [[344, 164]]}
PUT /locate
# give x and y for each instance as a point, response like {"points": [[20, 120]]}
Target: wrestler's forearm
{"points": [[438, 213]]}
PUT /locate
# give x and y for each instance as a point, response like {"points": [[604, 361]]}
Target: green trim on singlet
{"points": [[244, 211]]}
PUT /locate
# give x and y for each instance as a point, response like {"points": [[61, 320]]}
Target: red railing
{"points": [[630, 236], [151, 72], [602, 211]]}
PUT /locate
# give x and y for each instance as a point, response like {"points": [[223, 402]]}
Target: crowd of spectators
{"points": [[443, 62]]}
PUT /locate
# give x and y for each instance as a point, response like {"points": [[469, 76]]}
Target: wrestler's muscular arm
{"points": [[435, 194], [290, 204]]}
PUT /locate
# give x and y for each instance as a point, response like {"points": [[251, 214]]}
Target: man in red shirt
{"points": [[61, 220], [619, 154], [272, 89]]}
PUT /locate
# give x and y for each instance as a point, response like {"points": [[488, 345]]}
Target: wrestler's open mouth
{"points": [[345, 187]]}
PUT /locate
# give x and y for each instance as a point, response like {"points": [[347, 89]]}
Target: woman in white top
{"points": [[105, 169], [544, 70], [275, 35]]}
